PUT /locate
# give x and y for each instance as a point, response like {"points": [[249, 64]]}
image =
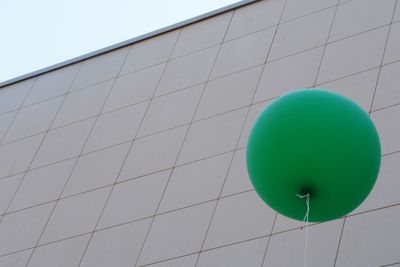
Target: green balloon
{"points": [[315, 142]]}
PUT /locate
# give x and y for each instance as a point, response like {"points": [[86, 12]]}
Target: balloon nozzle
{"points": [[304, 193]]}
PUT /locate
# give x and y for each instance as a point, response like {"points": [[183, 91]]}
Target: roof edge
{"points": [[126, 43]]}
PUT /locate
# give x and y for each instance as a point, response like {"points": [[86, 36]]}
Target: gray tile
{"points": [[171, 110], [15, 260], [290, 73], [371, 239], [133, 88], [249, 253], [153, 153], [352, 55], [228, 93], [61, 254], [5, 121], [387, 91], [134, 199], [238, 218], [96, 169], [8, 187], [237, 180], [301, 34], [359, 88], [82, 104], [254, 111], [295, 8], [187, 71], [117, 246], [392, 52], [21, 230], [385, 191], [100, 68], [243, 53], [322, 243], [55, 83], [254, 17], [150, 52], [12, 96], [196, 182], [359, 16], [202, 34], [63, 143], [212, 136], [176, 233], [388, 125], [188, 261], [33, 119], [16, 157], [42, 185], [116, 127], [75, 215]]}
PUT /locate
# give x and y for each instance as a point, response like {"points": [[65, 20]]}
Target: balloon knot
{"points": [[307, 195]]}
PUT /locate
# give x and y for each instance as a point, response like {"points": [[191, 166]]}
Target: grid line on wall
{"points": [[17, 111], [136, 177], [76, 158], [191, 86], [238, 140], [184, 139], [213, 248], [127, 153], [36, 152], [383, 56], [326, 43]]}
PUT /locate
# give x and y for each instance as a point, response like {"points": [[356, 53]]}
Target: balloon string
{"points": [[305, 222]]}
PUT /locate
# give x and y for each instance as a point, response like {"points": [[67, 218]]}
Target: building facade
{"points": [[136, 157]]}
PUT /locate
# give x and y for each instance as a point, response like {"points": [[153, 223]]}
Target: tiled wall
{"points": [[137, 157]]}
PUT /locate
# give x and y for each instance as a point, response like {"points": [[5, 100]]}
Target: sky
{"points": [[39, 33]]}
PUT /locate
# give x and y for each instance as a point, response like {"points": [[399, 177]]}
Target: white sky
{"points": [[40, 33]]}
